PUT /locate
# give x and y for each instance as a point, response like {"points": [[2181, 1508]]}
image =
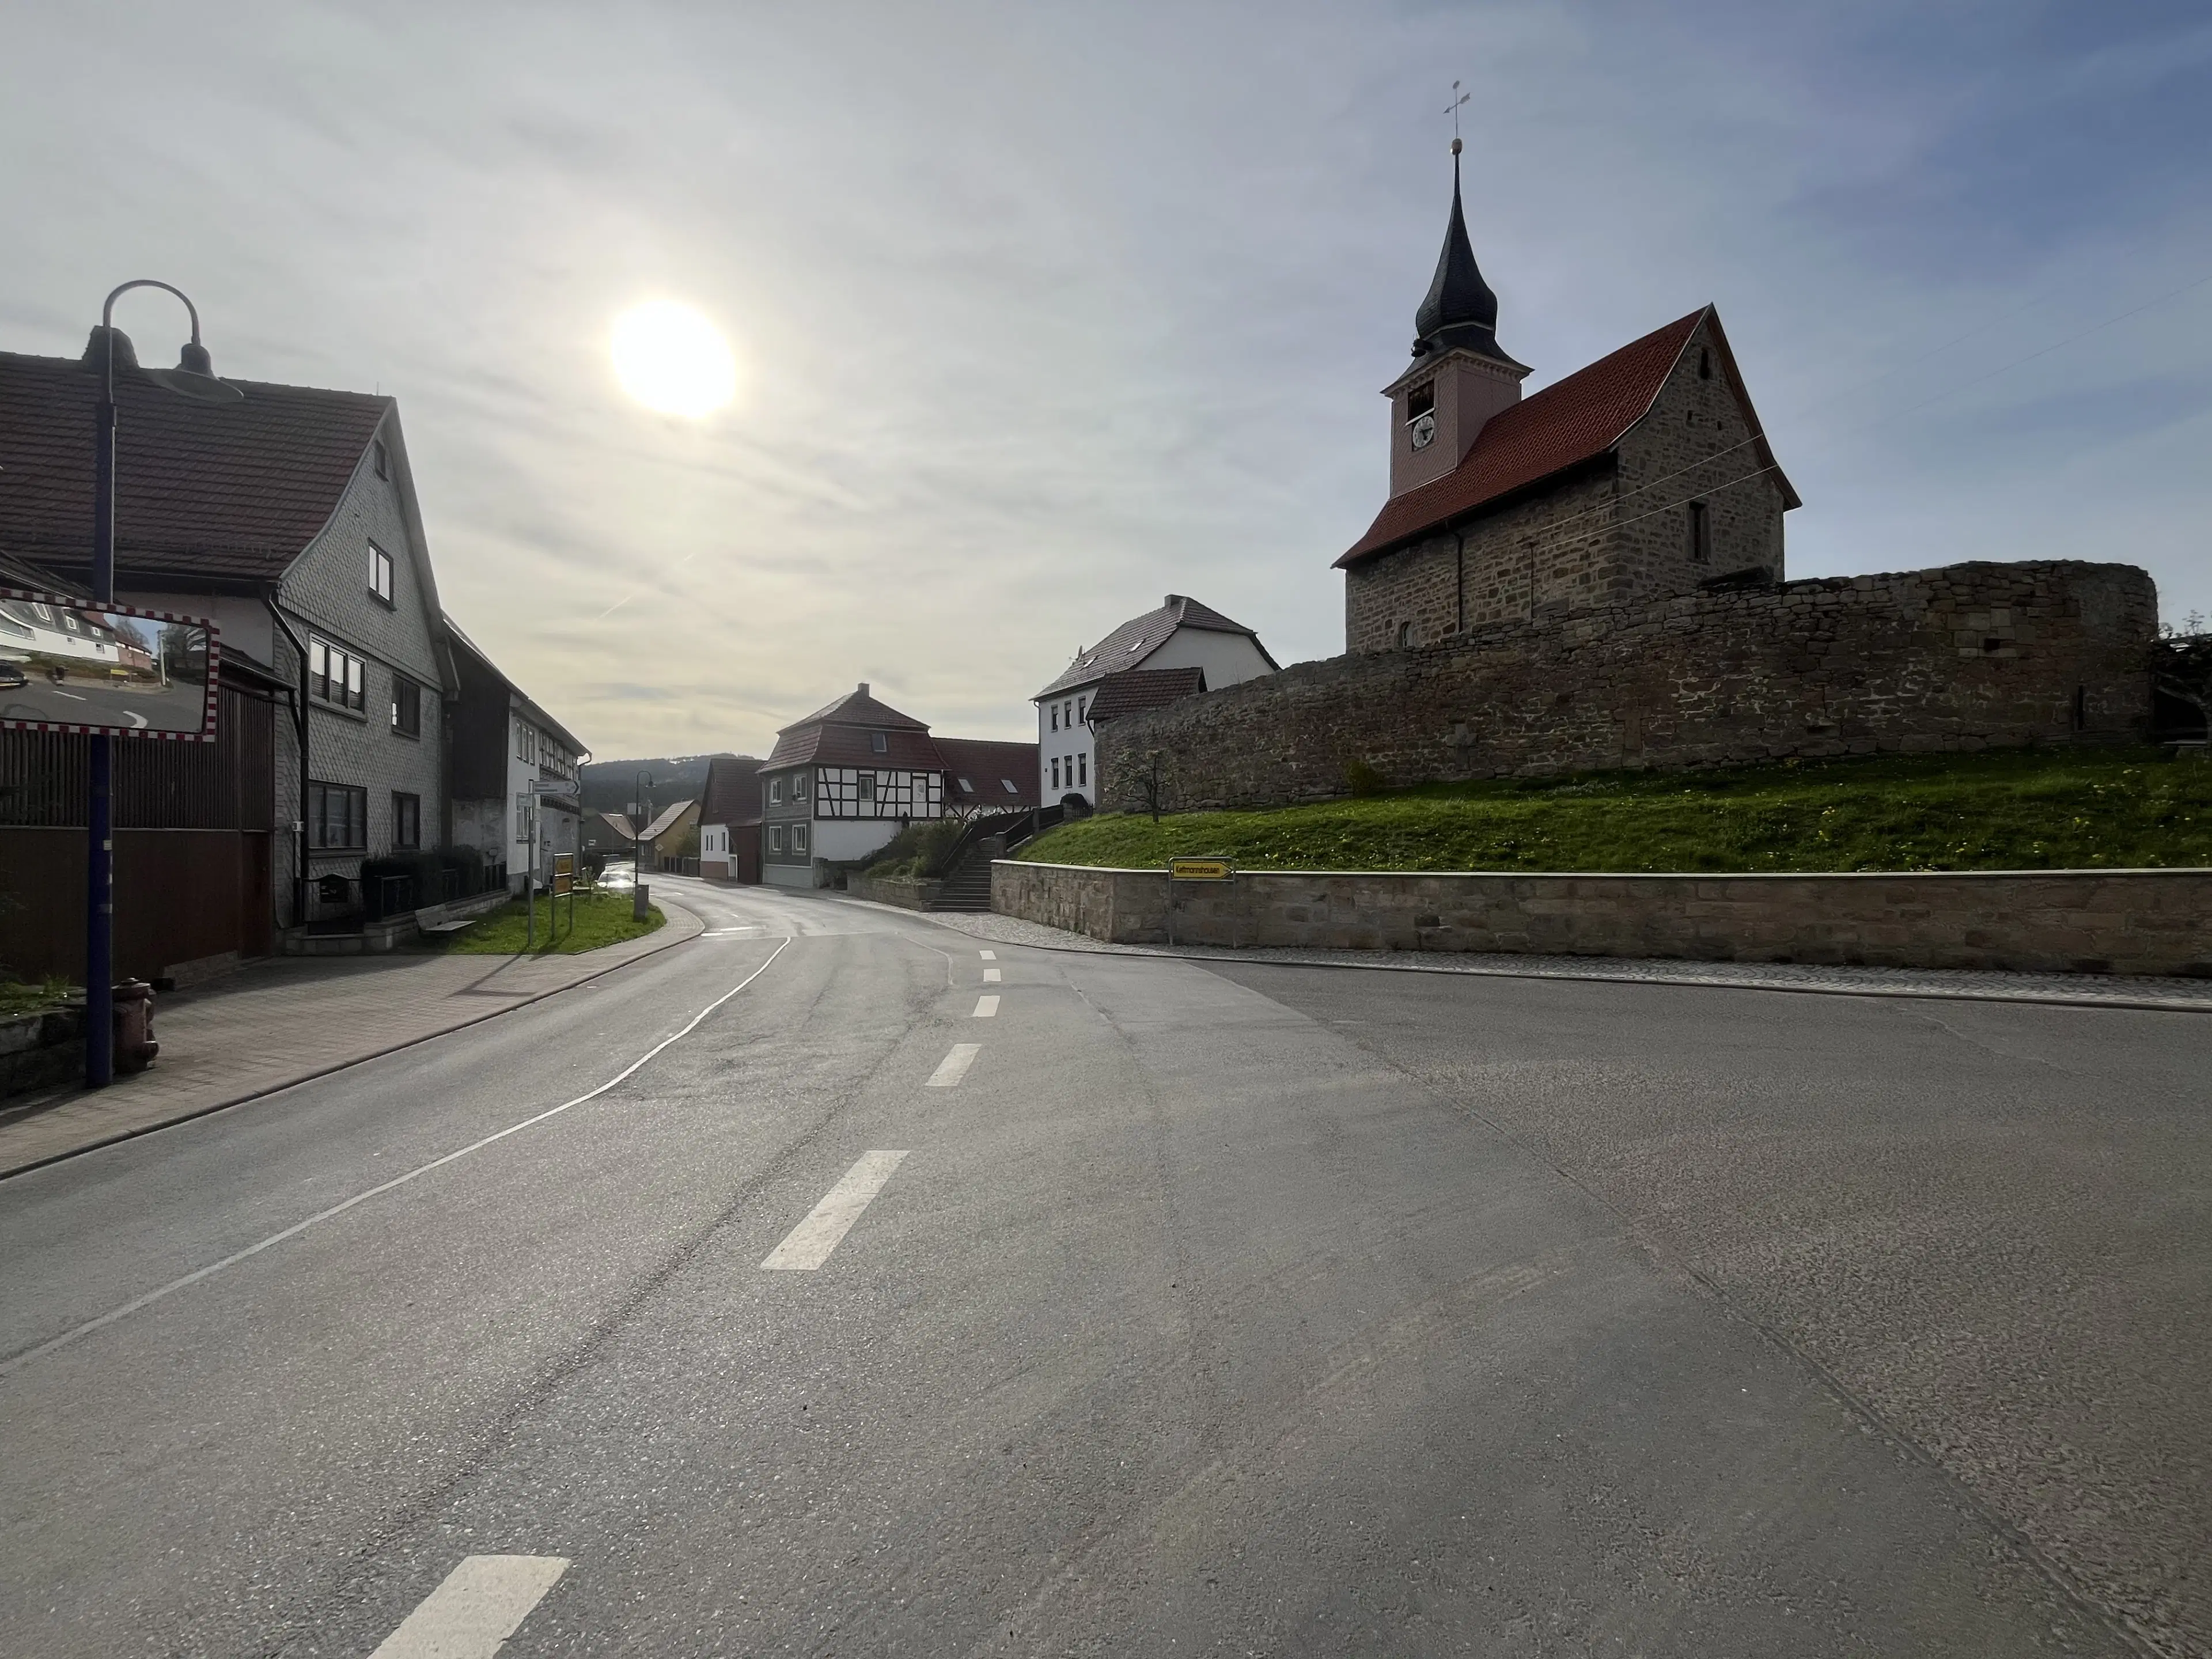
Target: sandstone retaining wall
{"points": [[1971, 656], [2136, 921]]}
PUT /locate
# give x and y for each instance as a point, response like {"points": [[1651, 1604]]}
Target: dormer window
{"points": [[879, 743]]}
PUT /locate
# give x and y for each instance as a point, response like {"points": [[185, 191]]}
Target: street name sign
{"points": [[1201, 869]]}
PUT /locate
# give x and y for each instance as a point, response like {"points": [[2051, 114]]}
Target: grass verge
{"points": [[21, 997], [2012, 810], [601, 919]]}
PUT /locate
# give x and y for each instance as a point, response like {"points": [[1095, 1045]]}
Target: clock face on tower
{"points": [[1424, 430]]}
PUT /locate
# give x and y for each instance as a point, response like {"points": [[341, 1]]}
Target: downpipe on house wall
{"points": [[300, 727]]}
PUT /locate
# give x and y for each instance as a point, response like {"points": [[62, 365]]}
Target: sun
{"points": [[672, 360]]}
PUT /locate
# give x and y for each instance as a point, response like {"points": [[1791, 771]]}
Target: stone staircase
{"points": [[968, 884]]}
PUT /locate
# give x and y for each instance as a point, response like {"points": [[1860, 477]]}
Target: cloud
{"points": [[1043, 313]]}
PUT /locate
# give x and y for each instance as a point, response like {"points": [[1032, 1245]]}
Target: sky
{"points": [[1040, 312]]}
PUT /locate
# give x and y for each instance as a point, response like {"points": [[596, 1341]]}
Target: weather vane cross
{"points": [[1452, 110]]}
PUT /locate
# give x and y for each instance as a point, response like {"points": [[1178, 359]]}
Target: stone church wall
{"points": [[1616, 532], [1970, 656]]}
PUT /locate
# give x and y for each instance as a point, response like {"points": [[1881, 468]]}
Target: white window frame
{"points": [[380, 574]]}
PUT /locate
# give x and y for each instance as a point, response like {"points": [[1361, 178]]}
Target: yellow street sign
{"points": [[1201, 869], [564, 873]]}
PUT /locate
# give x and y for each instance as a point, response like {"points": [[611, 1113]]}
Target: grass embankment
{"points": [[602, 918], [2014, 810], [21, 997]]}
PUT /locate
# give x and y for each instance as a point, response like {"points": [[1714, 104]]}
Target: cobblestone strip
{"points": [[271, 1026]]}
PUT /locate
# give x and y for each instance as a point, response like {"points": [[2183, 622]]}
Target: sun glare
{"points": [[672, 360]]}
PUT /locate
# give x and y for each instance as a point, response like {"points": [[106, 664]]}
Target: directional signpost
{"points": [[1204, 867]]}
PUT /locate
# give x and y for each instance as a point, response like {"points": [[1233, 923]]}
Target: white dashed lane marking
{"points": [[990, 976], [986, 1006], [481, 1603], [808, 1244], [988, 956], [954, 1067]]}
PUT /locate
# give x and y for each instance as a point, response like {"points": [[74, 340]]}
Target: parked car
{"points": [[12, 677]]}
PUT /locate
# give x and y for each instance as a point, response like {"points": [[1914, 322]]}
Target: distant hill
{"points": [[609, 786]]}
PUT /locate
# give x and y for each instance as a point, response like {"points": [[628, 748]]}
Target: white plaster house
{"points": [[1183, 633]]}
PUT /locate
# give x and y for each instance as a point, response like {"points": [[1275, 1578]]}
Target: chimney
{"points": [[864, 687]]}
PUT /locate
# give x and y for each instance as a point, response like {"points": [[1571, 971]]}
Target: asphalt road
{"points": [[1158, 1310], [84, 701]]}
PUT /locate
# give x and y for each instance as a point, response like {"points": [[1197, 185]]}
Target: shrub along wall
{"points": [[1971, 656], [2131, 921]]}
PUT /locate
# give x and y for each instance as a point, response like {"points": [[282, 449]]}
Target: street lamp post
{"points": [[639, 785], [193, 377]]}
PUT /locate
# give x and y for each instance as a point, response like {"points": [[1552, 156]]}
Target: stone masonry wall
{"points": [[1971, 656], [1615, 533], [2138, 921]]}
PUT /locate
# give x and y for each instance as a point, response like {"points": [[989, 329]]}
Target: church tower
{"points": [[1460, 375]]}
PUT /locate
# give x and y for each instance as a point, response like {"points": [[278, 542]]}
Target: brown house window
{"points": [[1701, 534], [336, 676], [406, 820], [406, 707], [337, 817]]}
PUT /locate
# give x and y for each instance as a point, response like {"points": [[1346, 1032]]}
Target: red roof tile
{"points": [[1568, 423], [1138, 638], [1139, 689], [223, 490], [733, 792], [988, 767]]}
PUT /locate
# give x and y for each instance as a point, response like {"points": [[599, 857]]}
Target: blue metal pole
{"points": [[100, 834]]}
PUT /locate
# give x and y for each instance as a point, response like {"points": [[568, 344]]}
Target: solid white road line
{"points": [[988, 956], [481, 1603], [986, 1006], [954, 1067], [990, 976], [76, 1331], [808, 1245]]}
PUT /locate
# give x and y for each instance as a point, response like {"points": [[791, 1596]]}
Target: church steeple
{"points": [[1459, 310]]}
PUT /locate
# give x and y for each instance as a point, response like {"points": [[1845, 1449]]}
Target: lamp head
{"points": [[194, 377]]}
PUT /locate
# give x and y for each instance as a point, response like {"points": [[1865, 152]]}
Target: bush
{"points": [[1361, 780], [917, 850]]}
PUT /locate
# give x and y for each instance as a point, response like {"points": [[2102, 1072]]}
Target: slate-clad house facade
{"points": [[290, 518]]}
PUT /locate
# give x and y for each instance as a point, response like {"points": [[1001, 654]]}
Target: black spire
{"points": [[1460, 309]]}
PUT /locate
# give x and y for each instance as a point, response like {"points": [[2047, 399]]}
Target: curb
{"points": [[1927, 994], [224, 1105]]}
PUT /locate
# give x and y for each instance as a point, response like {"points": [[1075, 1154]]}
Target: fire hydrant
{"points": [[135, 1047]]}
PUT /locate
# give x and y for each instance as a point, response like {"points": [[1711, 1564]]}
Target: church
{"points": [[1645, 476]]}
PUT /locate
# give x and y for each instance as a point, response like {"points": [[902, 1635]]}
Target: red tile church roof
{"points": [[1568, 423]]}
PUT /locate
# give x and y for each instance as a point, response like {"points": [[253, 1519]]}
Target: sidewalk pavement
{"points": [[277, 1023], [1951, 984]]}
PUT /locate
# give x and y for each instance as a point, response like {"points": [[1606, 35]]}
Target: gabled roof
{"points": [[732, 794], [844, 732], [456, 639], [1136, 690], [987, 768], [1567, 423], [859, 707], [1135, 640], [223, 491]]}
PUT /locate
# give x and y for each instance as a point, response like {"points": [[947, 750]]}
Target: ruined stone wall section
{"points": [[1971, 656], [1695, 445]]}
